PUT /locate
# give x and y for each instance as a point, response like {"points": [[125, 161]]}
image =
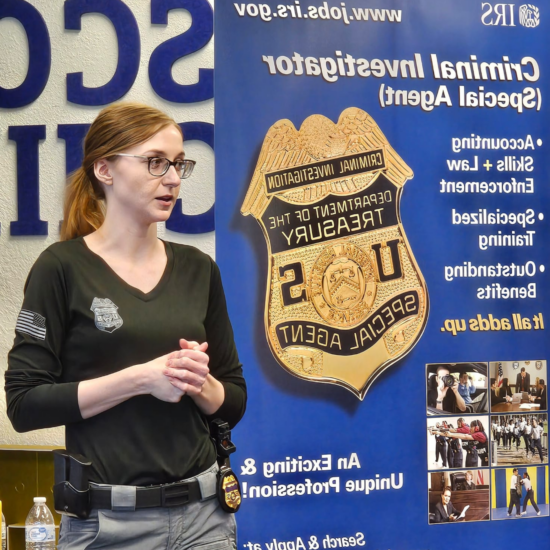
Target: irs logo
{"points": [[345, 298], [106, 314], [498, 14], [529, 15]]}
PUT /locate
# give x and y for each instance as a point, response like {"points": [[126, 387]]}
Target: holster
{"points": [[228, 486], [71, 491]]}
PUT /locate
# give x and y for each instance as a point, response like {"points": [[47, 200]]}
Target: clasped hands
{"points": [[182, 372], [187, 368]]}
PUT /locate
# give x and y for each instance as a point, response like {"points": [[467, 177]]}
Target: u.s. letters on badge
{"points": [[345, 297]]}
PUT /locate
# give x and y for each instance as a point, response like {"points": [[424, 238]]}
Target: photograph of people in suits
{"points": [[518, 386], [516, 377]]}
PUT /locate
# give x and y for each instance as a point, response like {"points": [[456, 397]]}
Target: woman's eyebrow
{"points": [[159, 153]]}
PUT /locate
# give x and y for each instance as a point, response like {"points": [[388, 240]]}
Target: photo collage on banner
{"points": [[459, 444], [382, 232]]}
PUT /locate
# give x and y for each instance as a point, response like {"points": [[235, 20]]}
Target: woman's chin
{"points": [[161, 216]]}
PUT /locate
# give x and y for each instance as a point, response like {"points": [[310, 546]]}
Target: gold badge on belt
{"points": [[229, 490], [345, 297]]}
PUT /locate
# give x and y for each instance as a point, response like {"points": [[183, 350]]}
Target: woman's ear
{"points": [[102, 171]]}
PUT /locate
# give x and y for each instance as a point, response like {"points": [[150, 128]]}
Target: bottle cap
{"points": [[40, 500]]}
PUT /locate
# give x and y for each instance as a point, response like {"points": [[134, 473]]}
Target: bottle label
{"points": [[40, 533]]}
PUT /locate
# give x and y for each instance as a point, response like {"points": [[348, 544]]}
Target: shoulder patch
{"points": [[31, 323]]}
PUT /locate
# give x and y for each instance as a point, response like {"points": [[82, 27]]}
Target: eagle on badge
{"points": [[345, 298]]}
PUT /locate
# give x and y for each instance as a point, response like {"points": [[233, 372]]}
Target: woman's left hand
{"points": [[187, 369]]}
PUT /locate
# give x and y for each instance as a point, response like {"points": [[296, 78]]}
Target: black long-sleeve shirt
{"points": [[80, 321]]}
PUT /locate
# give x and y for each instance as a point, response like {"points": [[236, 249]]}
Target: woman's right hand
{"points": [[101, 394], [156, 383]]}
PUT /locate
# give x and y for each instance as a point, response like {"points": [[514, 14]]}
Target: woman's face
{"points": [[133, 192], [468, 477]]}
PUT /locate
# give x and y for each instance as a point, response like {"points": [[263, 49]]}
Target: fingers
{"points": [[187, 368], [193, 354], [194, 361], [186, 344], [183, 386], [194, 378], [187, 349]]}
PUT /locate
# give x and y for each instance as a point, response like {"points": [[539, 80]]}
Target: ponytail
{"points": [[83, 212]]}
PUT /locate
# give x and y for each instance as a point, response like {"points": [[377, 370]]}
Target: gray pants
{"points": [[202, 524]]}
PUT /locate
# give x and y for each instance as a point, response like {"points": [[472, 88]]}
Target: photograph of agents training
{"points": [[518, 386], [458, 442], [456, 388], [519, 439], [458, 496], [520, 492]]}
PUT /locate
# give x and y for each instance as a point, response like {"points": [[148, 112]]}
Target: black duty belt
{"points": [[171, 494]]}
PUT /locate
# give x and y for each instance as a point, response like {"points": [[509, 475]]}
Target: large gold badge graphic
{"points": [[345, 298]]}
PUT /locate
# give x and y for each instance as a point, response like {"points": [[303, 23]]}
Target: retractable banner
{"points": [[382, 231]]}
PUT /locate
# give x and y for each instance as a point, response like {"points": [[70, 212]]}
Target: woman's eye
{"points": [[155, 163]]}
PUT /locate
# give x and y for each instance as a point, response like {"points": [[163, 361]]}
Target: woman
{"points": [[511, 433], [469, 485], [505, 389], [529, 496], [507, 434], [496, 399], [107, 343], [478, 444], [499, 433]]}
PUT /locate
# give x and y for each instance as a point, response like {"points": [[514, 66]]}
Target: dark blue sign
{"points": [[455, 94]]}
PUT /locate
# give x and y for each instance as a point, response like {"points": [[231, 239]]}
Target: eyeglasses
{"points": [[158, 166]]}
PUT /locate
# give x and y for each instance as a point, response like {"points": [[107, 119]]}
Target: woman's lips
{"points": [[166, 199]]}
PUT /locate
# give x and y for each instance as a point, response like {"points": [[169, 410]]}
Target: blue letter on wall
{"points": [[128, 40], [201, 223], [165, 55], [39, 54], [28, 203], [74, 135]]}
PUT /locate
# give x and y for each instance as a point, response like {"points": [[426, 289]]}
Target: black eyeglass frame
{"points": [[186, 163]]}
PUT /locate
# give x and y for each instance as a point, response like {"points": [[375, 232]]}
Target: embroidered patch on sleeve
{"points": [[31, 323]]}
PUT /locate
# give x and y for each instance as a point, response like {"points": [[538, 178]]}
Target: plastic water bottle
{"points": [[39, 527]]}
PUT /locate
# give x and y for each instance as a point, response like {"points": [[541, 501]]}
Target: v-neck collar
{"points": [[144, 296]]}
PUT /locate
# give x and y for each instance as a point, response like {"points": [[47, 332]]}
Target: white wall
{"points": [[93, 51]]}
